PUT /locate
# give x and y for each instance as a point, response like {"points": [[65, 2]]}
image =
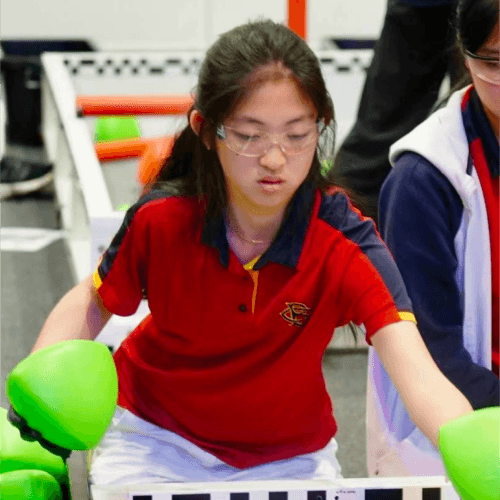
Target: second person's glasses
{"points": [[486, 68]]}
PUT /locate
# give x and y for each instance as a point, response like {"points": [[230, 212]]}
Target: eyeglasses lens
{"points": [[488, 71], [259, 144]]}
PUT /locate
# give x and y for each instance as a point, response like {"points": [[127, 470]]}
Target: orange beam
{"points": [[297, 19], [162, 104], [116, 150], [152, 151], [153, 158]]}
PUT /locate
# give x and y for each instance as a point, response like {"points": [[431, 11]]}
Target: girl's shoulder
{"points": [[340, 214], [337, 206], [160, 205], [412, 172], [416, 190]]}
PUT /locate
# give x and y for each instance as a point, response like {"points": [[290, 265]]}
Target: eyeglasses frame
{"points": [[477, 56], [220, 133], [483, 58]]}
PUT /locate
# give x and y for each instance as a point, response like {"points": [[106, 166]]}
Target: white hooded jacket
{"points": [[395, 446]]}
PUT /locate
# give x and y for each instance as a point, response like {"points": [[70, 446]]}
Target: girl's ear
{"points": [[196, 122]]}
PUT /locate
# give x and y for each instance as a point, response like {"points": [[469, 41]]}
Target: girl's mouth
{"points": [[271, 185]]}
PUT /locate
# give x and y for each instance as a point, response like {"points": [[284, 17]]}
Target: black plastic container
{"points": [[354, 43], [21, 69]]}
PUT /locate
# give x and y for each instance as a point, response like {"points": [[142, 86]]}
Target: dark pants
{"points": [[411, 58]]}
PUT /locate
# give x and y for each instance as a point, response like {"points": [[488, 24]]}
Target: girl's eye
{"points": [[245, 137], [295, 137]]}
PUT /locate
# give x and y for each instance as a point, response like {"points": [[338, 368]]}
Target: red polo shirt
{"points": [[230, 359]]}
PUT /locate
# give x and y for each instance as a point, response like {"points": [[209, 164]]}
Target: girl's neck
{"points": [[493, 119], [250, 234], [261, 227]]}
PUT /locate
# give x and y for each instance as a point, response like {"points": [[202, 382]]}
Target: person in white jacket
{"points": [[438, 212]]}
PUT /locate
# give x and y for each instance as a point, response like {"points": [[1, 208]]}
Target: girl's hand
{"points": [[64, 395]]}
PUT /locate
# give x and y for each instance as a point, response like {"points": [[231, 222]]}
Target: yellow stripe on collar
{"points": [[249, 265]]}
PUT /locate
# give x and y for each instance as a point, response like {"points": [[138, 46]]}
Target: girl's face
{"points": [[488, 93], [264, 185]]}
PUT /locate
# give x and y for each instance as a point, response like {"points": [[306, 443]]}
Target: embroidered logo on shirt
{"points": [[295, 313]]}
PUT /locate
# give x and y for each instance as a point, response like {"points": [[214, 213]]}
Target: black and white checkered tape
{"points": [[99, 64]]}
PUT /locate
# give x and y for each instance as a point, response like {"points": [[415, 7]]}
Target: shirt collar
{"points": [[477, 125], [286, 247]]}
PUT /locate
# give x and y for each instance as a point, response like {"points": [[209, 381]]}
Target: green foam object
{"points": [[67, 392], [113, 128], [326, 165], [16, 453], [29, 485], [470, 449]]}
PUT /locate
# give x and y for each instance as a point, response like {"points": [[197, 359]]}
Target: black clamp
{"points": [[29, 434]]}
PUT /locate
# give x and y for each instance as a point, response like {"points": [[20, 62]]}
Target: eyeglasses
{"points": [[486, 68], [257, 145]]}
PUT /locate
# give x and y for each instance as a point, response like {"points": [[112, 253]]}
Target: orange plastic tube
{"points": [[162, 104], [153, 159], [152, 153], [297, 18], [116, 150]]}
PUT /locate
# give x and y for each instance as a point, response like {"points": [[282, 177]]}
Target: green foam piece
{"points": [[470, 449], [29, 485], [17, 453], [113, 128], [326, 165], [67, 392]]}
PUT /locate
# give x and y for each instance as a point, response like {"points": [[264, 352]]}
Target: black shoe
{"points": [[19, 177]]}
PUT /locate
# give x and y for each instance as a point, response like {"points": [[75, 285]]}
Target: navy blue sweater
{"points": [[423, 197]]}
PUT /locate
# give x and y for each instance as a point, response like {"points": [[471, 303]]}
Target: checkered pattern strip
{"points": [[101, 64], [330, 494]]}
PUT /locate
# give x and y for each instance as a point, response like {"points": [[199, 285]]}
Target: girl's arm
{"points": [[80, 314], [430, 398]]}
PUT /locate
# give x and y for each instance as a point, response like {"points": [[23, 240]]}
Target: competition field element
{"points": [[399, 488]]}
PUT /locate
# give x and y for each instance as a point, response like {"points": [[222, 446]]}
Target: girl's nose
{"points": [[274, 158]]}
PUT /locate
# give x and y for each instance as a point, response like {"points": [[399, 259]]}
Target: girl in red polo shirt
{"points": [[249, 260]]}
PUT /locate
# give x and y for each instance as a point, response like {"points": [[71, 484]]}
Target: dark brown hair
{"points": [[226, 76], [473, 22]]}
